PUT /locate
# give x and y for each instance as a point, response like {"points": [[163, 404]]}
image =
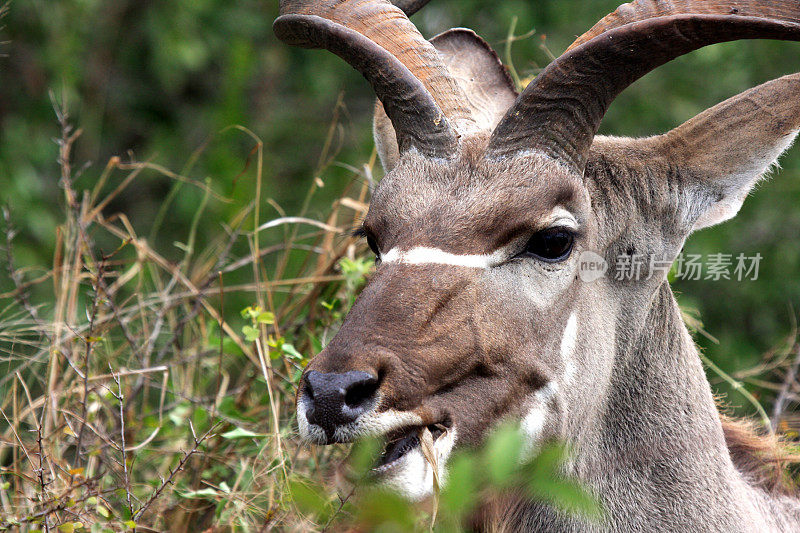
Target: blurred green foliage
{"points": [[164, 80], [501, 467]]}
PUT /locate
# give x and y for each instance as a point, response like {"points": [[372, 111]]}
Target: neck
{"points": [[656, 456]]}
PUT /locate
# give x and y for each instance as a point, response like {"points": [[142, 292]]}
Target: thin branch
{"points": [[126, 477], [788, 381], [174, 472], [87, 355]]}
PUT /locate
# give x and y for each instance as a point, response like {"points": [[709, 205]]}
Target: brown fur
{"points": [[765, 459]]}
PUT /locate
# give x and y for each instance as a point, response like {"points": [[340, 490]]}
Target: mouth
{"points": [[401, 442]]}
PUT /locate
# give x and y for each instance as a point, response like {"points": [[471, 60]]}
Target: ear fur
{"points": [[727, 149], [719, 155], [478, 71]]}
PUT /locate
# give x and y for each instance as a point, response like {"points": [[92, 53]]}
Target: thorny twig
{"points": [[174, 472], [40, 471], [87, 355], [120, 398], [58, 504], [783, 394], [342, 502]]}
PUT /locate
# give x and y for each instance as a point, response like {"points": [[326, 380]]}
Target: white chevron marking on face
{"points": [[423, 255], [534, 421]]}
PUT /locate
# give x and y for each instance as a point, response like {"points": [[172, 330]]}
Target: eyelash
{"points": [[538, 247], [364, 234], [573, 235]]}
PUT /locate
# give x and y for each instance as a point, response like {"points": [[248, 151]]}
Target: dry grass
{"points": [[122, 403]]}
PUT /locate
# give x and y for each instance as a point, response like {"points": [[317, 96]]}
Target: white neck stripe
{"points": [[422, 255]]}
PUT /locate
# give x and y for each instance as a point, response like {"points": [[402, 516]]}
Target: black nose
{"points": [[337, 399]]}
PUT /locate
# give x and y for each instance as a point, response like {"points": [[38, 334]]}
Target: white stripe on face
{"points": [[534, 421], [422, 256], [532, 424], [569, 338]]}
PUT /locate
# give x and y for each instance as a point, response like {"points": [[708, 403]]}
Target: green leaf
{"points": [[240, 433], [546, 482], [316, 343], [386, 511], [502, 454], [461, 491], [310, 499], [251, 312], [129, 524], [567, 495], [274, 343], [201, 493], [180, 413], [266, 318], [548, 462], [363, 455], [250, 333], [291, 352]]}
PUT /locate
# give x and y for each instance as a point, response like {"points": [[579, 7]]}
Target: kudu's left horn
{"points": [[561, 109]]}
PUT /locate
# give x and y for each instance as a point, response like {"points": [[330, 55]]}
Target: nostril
{"points": [[334, 399], [308, 387], [361, 392], [311, 416]]}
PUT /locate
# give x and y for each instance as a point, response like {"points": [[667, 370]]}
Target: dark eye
{"points": [[373, 245], [552, 245]]}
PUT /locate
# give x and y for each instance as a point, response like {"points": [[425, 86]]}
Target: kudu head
{"points": [[477, 311]]}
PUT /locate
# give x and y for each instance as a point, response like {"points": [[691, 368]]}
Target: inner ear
{"points": [[478, 71]]}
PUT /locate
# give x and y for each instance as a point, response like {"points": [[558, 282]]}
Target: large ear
{"points": [[720, 154], [479, 72], [730, 147]]}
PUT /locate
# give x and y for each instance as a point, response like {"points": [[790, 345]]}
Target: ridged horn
{"points": [[410, 7], [560, 111], [377, 38]]}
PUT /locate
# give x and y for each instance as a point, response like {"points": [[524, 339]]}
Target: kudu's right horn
{"points": [[423, 101]]}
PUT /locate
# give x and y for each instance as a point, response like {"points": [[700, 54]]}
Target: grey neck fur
{"points": [[656, 451]]}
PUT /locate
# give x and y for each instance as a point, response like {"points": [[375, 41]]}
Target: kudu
{"points": [[476, 311]]}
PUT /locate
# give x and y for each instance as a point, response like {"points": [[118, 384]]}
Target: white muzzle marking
{"points": [[412, 475]]}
